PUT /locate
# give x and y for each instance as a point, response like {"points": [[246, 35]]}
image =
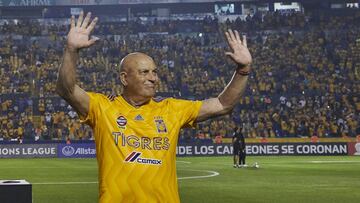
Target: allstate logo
{"points": [[68, 150]]}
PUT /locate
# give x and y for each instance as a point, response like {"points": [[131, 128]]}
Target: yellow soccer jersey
{"points": [[136, 147]]}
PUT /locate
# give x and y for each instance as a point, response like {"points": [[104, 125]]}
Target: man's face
{"points": [[143, 79]]}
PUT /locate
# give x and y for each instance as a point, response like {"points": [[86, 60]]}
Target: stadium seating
{"points": [[305, 78]]}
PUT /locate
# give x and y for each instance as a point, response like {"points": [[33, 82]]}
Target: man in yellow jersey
{"points": [[135, 134]]}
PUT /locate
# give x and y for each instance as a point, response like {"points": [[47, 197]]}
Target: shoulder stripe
{"points": [[159, 98]]}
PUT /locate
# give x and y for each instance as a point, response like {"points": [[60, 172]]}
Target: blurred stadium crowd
{"points": [[304, 80]]}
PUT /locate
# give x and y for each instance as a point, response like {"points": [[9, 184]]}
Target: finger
{"points": [[72, 22], [80, 19], [86, 20], [229, 41], [244, 41], [92, 41], [237, 36], [228, 38], [92, 25], [232, 36], [229, 54]]}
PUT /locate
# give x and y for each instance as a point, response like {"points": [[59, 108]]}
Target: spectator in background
{"points": [[218, 138], [239, 148], [320, 58], [236, 147]]}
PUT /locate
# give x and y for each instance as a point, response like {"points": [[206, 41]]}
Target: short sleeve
{"points": [[186, 111], [96, 103]]}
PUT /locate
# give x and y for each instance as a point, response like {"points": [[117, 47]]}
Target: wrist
{"points": [[71, 49], [243, 70]]}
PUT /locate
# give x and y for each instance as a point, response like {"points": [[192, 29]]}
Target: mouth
{"points": [[150, 86]]}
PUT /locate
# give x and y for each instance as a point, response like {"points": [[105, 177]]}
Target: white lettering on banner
{"points": [[184, 150], [228, 150], [218, 149], [287, 149], [224, 149], [265, 149], [211, 149], [85, 151], [262, 149], [321, 149], [34, 2], [274, 149], [196, 150], [39, 151], [204, 150], [9, 151]]}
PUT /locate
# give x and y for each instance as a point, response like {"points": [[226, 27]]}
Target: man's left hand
{"points": [[240, 53]]}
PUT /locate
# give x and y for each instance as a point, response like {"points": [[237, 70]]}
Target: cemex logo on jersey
{"points": [[134, 157]]}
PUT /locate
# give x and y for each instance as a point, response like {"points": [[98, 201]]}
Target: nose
{"points": [[153, 77]]}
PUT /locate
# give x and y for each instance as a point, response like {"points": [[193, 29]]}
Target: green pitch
{"points": [[205, 179]]}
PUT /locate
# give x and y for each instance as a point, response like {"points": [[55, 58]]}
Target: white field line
{"points": [[323, 162], [211, 174], [185, 162], [65, 183]]}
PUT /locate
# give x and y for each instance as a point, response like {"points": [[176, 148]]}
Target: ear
{"points": [[123, 78]]}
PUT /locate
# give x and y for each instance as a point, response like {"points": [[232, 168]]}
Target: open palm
{"points": [[79, 34], [240, 53]]}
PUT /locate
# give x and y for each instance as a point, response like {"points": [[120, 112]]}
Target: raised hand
{"points": [[79, 33], [240, 53]]}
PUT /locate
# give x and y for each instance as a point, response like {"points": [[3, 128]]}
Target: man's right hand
{"points": [[79, 33]]}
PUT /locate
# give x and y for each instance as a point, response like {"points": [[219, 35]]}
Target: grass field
{"points": [[205, 179]]}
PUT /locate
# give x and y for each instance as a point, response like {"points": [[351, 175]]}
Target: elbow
{"points": [[227, 110], [59, 89], [226, 107], [62, 91]]}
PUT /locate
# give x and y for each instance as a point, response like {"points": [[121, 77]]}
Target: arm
{"points": [[66, 87], [228, 98]]}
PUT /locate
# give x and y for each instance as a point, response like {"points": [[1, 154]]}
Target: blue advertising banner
{"points": [[264, 149], [87, 150], [77, 150], [28, 150]]}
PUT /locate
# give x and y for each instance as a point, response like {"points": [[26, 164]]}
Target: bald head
{"points": [[138, 76], [135, 60]]}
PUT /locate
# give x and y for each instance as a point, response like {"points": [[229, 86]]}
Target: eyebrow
{"points": [[142, 69]]}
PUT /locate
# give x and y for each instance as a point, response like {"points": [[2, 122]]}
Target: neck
{"points": [[135, 101]]}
